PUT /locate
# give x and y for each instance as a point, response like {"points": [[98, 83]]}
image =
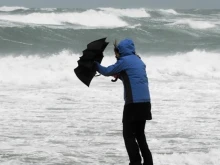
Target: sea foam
{"points": [[193, 158]]}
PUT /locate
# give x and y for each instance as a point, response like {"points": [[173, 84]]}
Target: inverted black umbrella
{"points": [[86, 67]]}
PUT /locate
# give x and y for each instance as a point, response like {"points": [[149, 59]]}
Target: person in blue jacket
{"points": [[137, 108]]}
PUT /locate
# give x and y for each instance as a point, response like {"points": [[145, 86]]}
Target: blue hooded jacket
{"points": [[132, 72]]}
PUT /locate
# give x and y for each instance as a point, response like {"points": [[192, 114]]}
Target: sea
{"points": [[49, 117]]}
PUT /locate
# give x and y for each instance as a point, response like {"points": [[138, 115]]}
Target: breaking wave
{"points": [[7, 8], [48, 9], [133, 13], [169, 11], [90, 18], [194, 64], [195, 24], [58, 68], [99, 19]]}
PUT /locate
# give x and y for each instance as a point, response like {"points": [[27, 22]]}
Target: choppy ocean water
{"points": [[49, 117]]}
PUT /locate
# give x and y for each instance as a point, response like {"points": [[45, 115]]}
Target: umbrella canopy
{"points": [[86, 68]]}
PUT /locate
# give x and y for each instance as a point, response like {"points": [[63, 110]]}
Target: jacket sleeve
{"points": [[110, 70]]}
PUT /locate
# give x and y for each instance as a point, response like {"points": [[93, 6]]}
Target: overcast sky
{"points": [[213, 4]]}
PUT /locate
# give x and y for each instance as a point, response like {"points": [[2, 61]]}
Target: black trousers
{"points": [[135, 142]]}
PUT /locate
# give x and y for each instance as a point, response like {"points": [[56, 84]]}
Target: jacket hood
{"points": [[126, 47]]}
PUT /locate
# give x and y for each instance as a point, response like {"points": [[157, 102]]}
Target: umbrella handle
{"points": [[114, 80]]}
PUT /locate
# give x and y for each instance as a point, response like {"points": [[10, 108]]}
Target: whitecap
{"points": [[194, 24], [12, 8], [169, 11], [133, 13]]}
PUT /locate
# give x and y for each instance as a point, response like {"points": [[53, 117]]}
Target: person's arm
{"points": [[110, 70]]}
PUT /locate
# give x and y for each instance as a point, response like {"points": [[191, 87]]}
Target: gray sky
{"points": [[213, 4]]}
